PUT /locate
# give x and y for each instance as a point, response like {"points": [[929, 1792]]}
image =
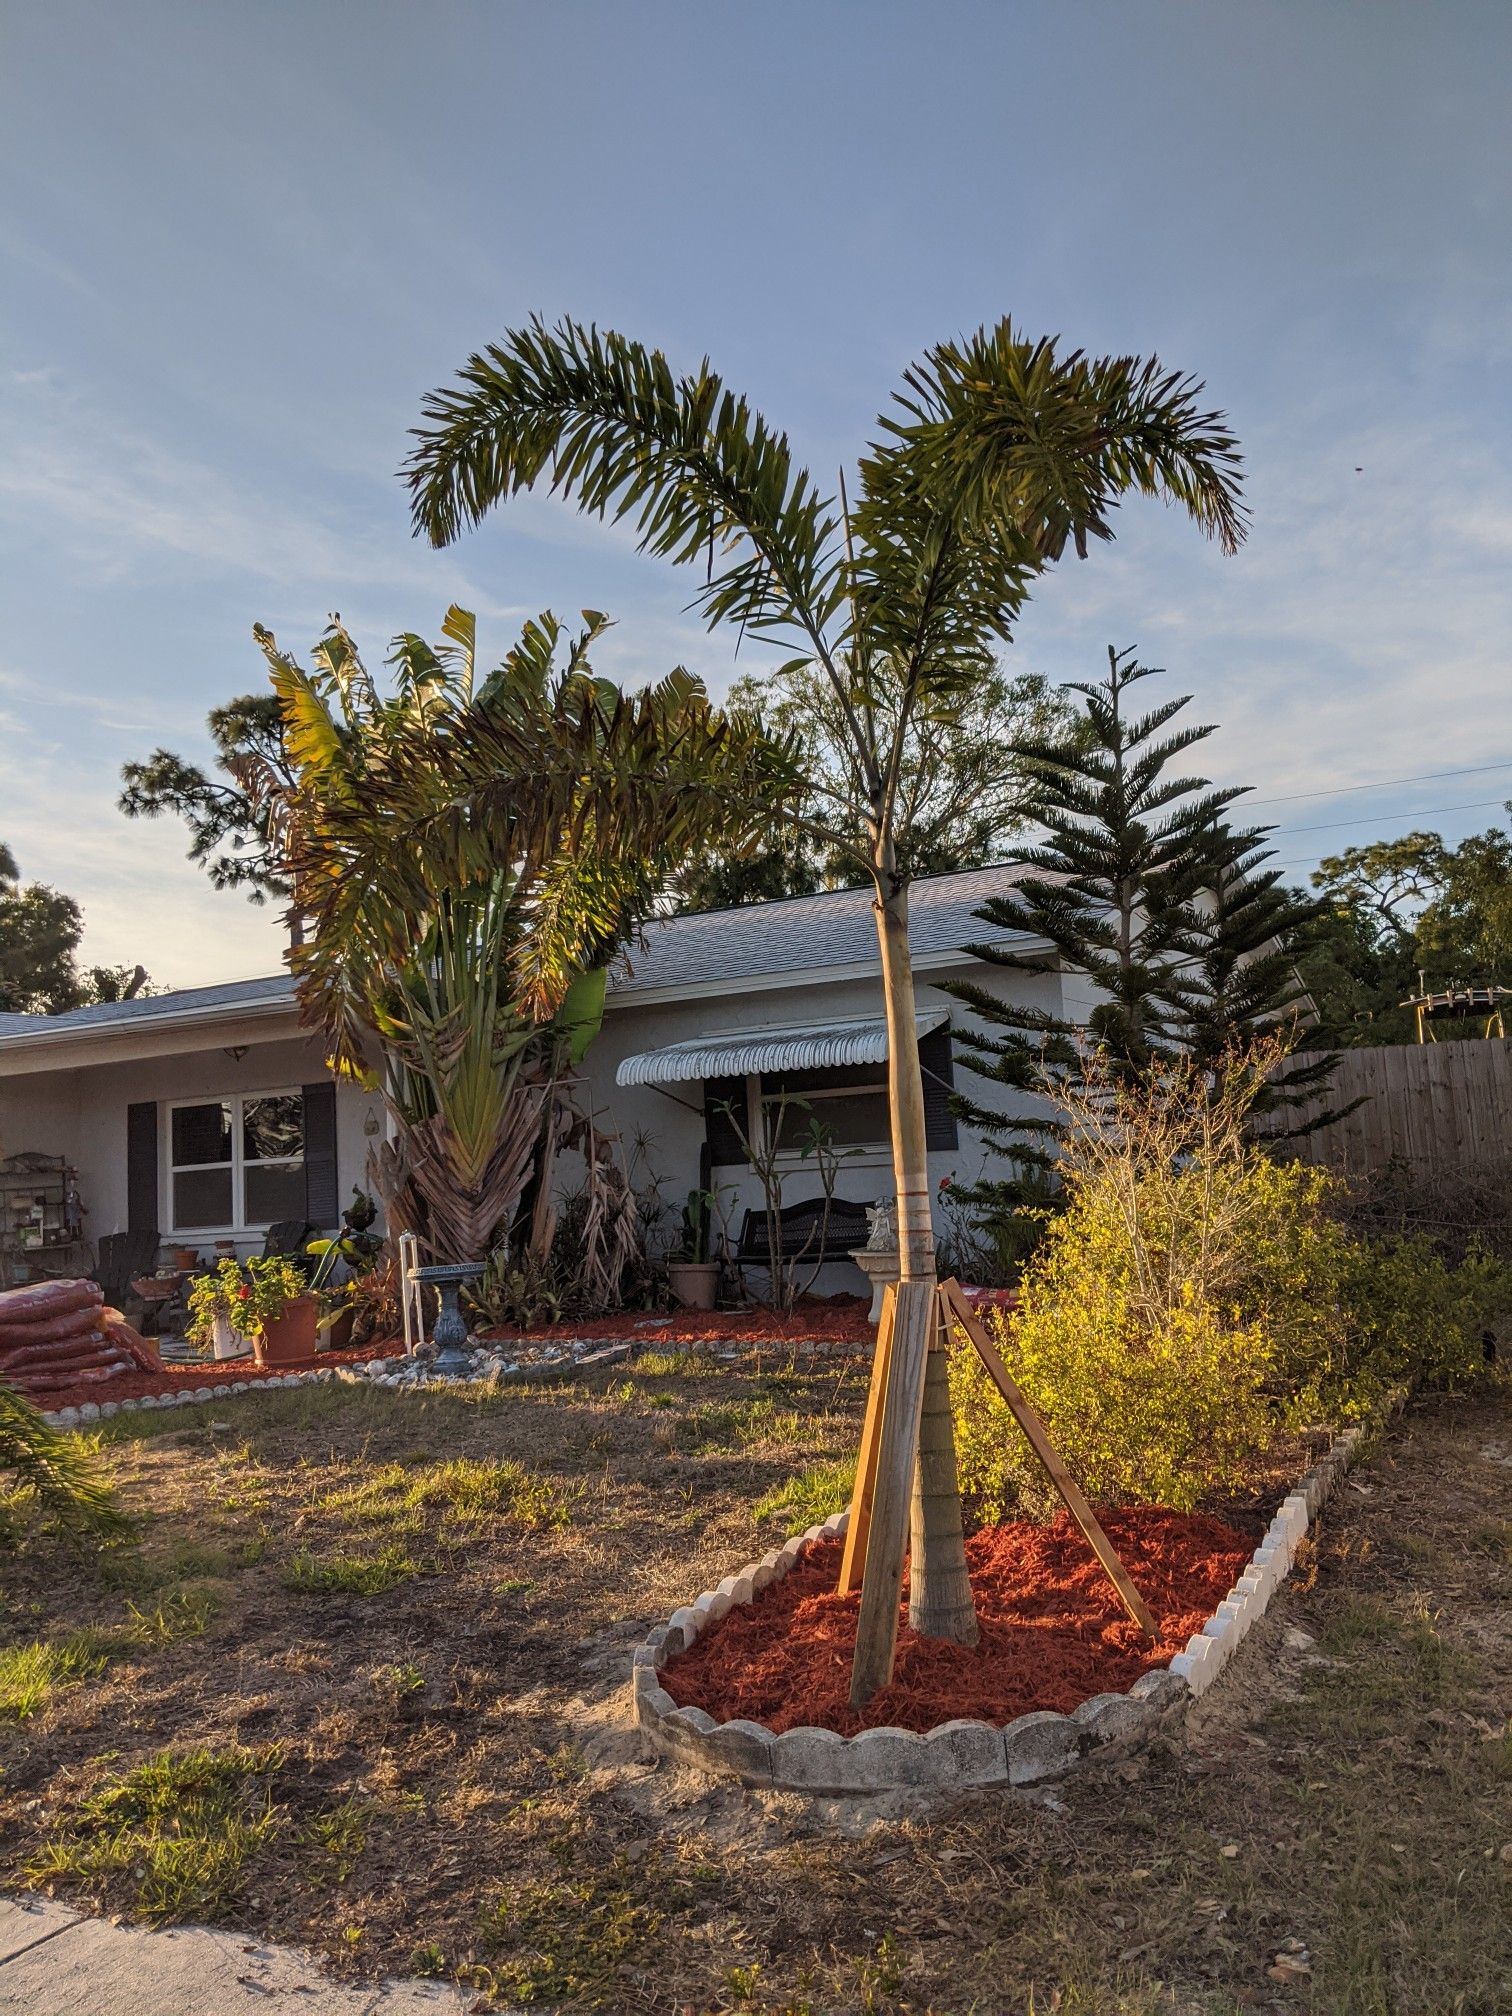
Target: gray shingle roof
{"points": [[228, 994], [833, 929]]}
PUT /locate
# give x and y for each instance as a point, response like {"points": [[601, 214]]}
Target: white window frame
{"points": [[865, 1154], [238, 1164]]}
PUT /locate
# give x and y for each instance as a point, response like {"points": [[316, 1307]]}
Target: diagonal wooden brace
{"points": [[915, 1316], [858, 1532], [960, 1312]]}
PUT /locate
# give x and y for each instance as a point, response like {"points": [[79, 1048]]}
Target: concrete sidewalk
{"points": [[53, 1962]]}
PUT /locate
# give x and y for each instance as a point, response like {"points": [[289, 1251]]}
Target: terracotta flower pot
{"points": [[694, 1283], [292, 1336]]}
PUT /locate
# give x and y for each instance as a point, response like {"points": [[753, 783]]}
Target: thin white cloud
{"points": [[1364, 631], [118, 501]]}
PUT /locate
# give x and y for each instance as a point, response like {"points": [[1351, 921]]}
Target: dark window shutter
{"points": [[724, 1142], [939, 1083], [322, 1204], [142, 1167]]}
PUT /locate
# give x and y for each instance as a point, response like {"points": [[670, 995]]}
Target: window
{"points": [[850, 1105], [236, 1164]]}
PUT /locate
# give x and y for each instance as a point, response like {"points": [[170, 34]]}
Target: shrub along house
{"points": [[208, 1115]]}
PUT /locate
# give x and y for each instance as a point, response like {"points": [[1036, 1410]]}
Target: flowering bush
{"points": [[251, 1293]]}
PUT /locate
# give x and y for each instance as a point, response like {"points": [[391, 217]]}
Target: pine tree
{"points": [[1234, 935], [1105, 892], [1169, 918]]}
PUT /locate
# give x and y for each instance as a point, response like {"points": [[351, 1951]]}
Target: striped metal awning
{"points": [[807, 1046]]}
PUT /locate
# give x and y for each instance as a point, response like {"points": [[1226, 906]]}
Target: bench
{"points": [[800, 1232]]}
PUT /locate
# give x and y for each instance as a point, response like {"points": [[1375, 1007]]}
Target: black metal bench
{"points": [[803, 1233]]}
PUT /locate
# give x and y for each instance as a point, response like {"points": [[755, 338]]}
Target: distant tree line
{"points": [[40, 933]]}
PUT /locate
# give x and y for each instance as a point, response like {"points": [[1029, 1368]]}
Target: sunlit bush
{"points": [[1194, 1297]]}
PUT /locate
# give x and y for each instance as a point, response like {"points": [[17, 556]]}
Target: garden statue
{"points": [[881, 1218], [879, 1259]]}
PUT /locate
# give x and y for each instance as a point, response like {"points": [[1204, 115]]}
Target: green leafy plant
{"points": [[1195, 1294], [356, 1247], [460, 961], [520, 1293], [250, 1294]]}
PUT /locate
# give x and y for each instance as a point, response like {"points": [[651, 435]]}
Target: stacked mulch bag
{"points": [[60, 1334]]}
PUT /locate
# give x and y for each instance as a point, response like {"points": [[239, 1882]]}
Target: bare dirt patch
{"points": [[384, 1643]]}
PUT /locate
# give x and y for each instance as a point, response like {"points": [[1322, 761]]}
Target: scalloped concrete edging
{"points": [[965, 1753], [90, 1411]]}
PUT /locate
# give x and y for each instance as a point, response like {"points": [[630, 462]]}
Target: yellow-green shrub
{"points": [[1145, 1406], [1178, 1313]]}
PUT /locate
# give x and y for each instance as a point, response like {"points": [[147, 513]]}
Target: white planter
{"points": [[226, 1342]]}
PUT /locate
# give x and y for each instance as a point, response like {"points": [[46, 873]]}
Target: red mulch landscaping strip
{"points": [[839, 1319], [214, 1372], [1052, 1632]]}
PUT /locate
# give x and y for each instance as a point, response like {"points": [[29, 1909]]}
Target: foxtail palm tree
{"points": [[996, 454]]}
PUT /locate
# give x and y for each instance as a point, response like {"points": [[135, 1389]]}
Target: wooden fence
{"points": [[1433, 1105]]}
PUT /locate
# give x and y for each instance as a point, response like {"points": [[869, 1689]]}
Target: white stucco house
{"points": [[207, 1114]]}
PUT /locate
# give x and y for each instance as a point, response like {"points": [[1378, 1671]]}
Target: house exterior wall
{"points": [[662, 1131], [81, 1113]]}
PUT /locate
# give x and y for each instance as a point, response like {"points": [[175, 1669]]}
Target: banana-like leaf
{"points": [[581, 1015]]}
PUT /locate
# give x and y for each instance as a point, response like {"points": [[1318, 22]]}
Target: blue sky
{"points": [[239, 243]]}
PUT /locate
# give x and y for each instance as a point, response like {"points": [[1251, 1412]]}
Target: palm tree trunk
{"points": [[939, 1590]]}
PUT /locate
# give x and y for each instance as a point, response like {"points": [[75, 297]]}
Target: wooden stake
{"points": [[853, 1561], [961, 1313], [914, 1317]]}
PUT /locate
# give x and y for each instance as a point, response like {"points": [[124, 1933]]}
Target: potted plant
{"points": [[692, 1274], [215, 1312], [267, 1301], [356, 1247]]}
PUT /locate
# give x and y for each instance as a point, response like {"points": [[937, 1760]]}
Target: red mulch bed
{"points": [[836, 1319], [213, 1372], [1052, 1632]]}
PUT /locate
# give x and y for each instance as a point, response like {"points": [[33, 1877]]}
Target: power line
{"points": [[1389, 818], [1385, 784]]}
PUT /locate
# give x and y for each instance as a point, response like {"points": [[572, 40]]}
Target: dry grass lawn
{"points": [[361, 1686]]}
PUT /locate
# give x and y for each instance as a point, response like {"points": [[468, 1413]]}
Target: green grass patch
{"points": [[339, 1837], [31, 1674], [672, 1365], [468, 1489], [737, 1424], [351, 1574], [182, 1613], [811, 1495], [398, 1681], [474, 1488], [1493, 1538], [568, 1941], [180, 1829]]}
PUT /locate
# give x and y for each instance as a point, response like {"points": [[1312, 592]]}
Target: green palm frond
{"points": [[604, 422], [997, 453], [58, 1470]]}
